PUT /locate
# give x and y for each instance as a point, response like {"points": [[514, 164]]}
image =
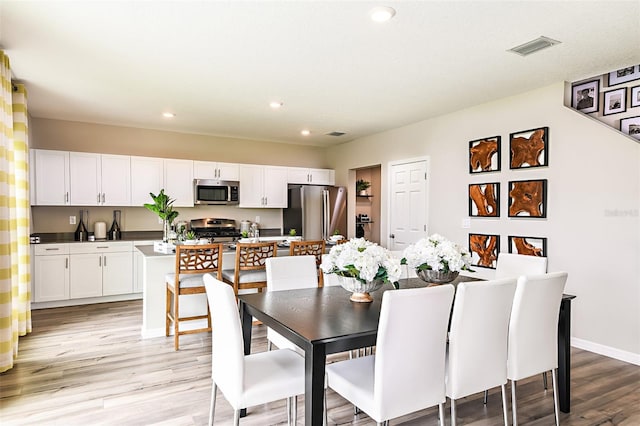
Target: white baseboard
{"points": [[608, 351]]}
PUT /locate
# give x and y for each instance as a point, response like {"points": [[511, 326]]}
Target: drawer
{"points": [[101, 247], [50, 249]]}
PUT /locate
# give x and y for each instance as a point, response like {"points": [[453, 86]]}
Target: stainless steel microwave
{"points": [[210, 191]]}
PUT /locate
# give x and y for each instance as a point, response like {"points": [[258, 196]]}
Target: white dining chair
{"points": [[289, 273], [247, 380], [477, 352], [406, 374], [533, 332], [514, 265]]}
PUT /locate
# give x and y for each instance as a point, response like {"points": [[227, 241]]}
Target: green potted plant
{"points": [[162, 206], [190, 237], [362, 186]]}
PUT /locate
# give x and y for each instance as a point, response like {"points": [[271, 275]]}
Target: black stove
{"points": [[218, 230]]}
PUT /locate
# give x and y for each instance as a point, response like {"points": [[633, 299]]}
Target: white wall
{"points": [[593, 223]]}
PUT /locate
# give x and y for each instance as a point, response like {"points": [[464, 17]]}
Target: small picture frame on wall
{"points": [[635, 96], [529, 148], [584, 96], [631, 127], [484, 199], [528, 198], [624, 75], [614, 101], [484, 155], [484, 250], [529, 246]]}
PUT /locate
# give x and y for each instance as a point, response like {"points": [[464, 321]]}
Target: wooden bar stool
{"points": [[312, 247], [192, 262], [250, 269]]}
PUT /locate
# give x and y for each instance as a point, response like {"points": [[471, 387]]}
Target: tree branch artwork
{"points": [[529, 148], [528, 198], [484, 199], [484, 249], [484, 155], [528, 246]]}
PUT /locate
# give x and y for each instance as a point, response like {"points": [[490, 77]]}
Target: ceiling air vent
{"points": [[533, 46], [336, 134]]}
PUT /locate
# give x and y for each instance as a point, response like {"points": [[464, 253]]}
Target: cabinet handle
{"points": [[66, 263], [52, 249], [105, 261], [66, 197], [103, 247], [100, 261], [103, 198], [98, 198]]}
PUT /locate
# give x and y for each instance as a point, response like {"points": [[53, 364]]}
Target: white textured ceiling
{"points": [[218, 64]]}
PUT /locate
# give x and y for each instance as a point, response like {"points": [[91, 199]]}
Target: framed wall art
{"points": [[631, 126], [624, 74], [584, 96], [529, 148], [484, 250], [528, 198], [614, 101], [484, 199], [529, 246], [635, 96], [484, 155]]}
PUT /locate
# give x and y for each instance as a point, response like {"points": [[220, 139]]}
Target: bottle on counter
{"points": [[81, 233], [114, 231]]}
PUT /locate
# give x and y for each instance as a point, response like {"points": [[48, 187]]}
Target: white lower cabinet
{"points": [[82, 270], [51, 272]]}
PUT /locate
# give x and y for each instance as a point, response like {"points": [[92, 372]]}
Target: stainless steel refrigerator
{"points": [[316, 211]]}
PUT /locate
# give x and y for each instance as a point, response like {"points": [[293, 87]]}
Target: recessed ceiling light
{"points": [[168, 115], [305, 132], [533, 46], [382, 13], [276, 104]]}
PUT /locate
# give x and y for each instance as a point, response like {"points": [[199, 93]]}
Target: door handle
{"points": [[392, 236]]}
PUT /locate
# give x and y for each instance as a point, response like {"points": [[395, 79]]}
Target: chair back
{"points": [[410, 349], [199, 259], [310, 247], [227, 347], [253, 256], [291, 272], [478, 336], [511, 265], [533, 327]]}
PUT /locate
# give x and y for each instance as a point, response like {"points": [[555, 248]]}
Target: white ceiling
{"points": [[218, 64]]}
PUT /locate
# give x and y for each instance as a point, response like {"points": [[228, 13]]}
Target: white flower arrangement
{"points": [[363, 260], [436, 253]]}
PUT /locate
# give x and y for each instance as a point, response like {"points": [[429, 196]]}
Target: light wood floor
{"points": [[87, 365]]}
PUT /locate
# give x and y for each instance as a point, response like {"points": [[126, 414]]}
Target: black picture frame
{"points": [[634, 95], [624, 75], [528, 198], [484, 249], [484, 199], [614, 101], [484, 155], [631, 126], [528, 246], [585, 96], [529, 148]]}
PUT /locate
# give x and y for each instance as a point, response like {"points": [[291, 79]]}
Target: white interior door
{"points": [[408, 203]]}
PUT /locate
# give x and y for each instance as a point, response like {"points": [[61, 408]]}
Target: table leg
{"points": [[246, 320], [314, 361], [564, 356]]}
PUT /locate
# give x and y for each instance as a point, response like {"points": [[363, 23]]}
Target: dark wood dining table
{"points": [[324, 321]]}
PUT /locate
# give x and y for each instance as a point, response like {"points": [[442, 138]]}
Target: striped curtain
{"points": [[15, 276]]}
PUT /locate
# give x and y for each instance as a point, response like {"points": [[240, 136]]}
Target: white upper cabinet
{"points": [[146, 177], [116, 180], [306, 176], [51, 178], [217, 171], [84, 179], [263, 186], [178, 181]]}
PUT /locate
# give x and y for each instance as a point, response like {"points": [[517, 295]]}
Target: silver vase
{"points": [[359, 290], [437, 277]]}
